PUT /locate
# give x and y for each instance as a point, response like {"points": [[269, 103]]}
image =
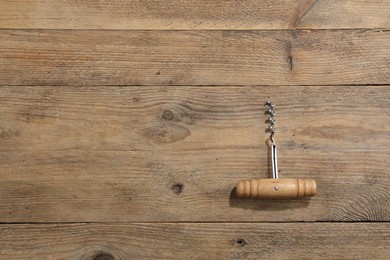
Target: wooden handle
{"points": [[276, 188]]}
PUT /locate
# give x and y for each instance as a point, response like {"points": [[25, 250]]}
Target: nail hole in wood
{"points": [[177, 188], [104, 256], [240, 242]]}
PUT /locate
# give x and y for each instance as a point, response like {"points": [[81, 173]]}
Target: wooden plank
{"points": [[194, 14], [194, 58], [175, 153], [196, 241]]}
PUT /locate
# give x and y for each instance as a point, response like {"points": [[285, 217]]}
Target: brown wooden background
{"points": [[125, 125]]}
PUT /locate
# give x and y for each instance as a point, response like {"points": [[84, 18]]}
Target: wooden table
{"points": [[125, 126]]}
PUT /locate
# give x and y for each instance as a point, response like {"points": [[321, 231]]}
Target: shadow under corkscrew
{"points": [[266, 204]]}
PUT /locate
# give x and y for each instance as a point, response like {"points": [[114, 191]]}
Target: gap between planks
{"points": [[194, 222]]}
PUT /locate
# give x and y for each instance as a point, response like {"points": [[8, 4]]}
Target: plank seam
{"points": [[208, 85], [193, 222], [383, 29]]}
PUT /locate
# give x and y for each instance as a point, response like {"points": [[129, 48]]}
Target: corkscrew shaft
{"points": [[274, 157]]}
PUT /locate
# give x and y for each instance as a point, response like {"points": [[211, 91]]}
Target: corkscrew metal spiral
{"points": [[271, 113]]}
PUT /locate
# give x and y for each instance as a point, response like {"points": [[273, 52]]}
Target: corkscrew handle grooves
{"points": [[276, 188]]}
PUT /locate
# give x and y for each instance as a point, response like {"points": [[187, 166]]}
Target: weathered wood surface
{"points": [[196, 241], [66, 57], [143, 132], [194, 14], [175, 153]]}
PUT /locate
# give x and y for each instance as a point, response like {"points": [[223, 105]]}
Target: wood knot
{"points": [[240, 242], [167, 133], [177, 188], [104, 256], [167, 115]]}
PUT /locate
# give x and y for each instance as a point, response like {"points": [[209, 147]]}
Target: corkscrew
{"points": [[275, 188]]}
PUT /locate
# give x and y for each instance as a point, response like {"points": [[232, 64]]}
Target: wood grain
{"points": [[164, 153], [194, 58], [194, 14], [196, 241]]}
